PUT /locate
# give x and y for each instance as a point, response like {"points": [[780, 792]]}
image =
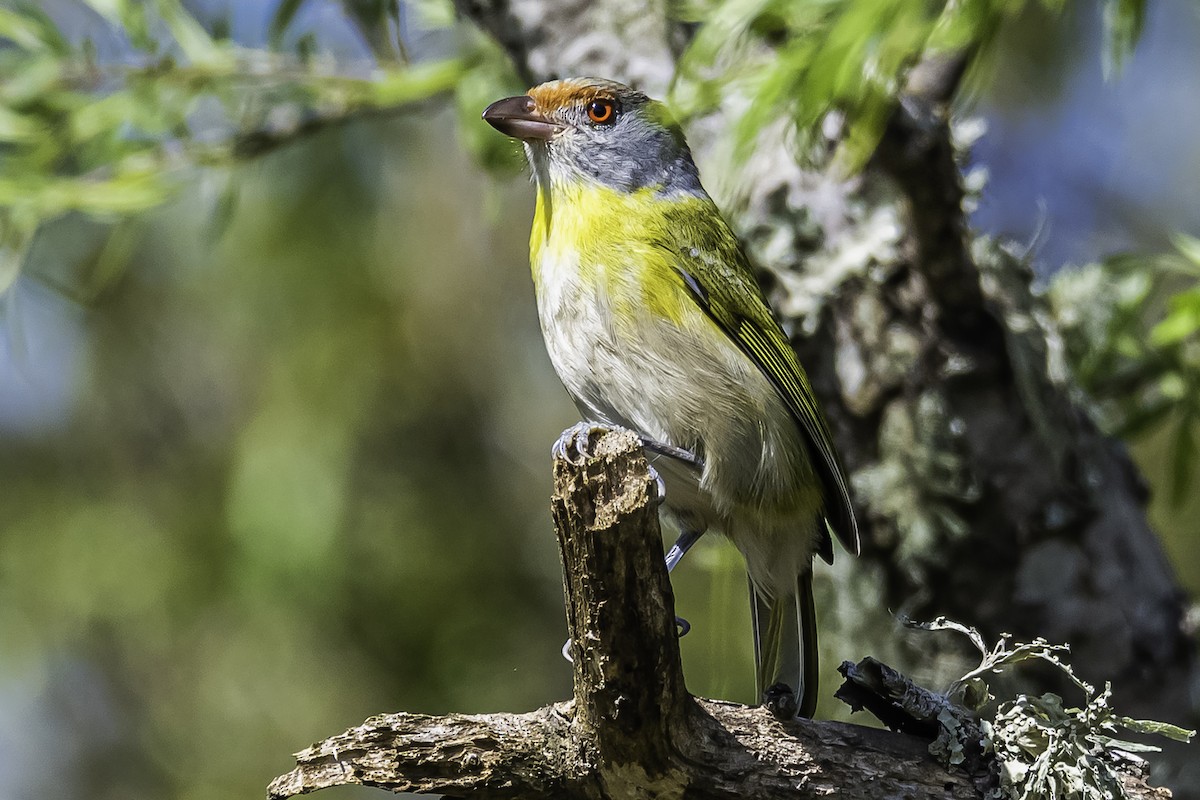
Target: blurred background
{"points": [[274, 454]]}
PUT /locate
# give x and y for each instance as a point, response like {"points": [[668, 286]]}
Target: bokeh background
{"points": [[275, 456]]}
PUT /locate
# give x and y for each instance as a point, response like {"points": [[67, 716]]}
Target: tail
{"points": [[785, 642]]}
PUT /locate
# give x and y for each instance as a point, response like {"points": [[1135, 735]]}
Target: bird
{"points": [[654, 321]]}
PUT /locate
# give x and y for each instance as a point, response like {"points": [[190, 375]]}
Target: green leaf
{"points": [[401, 86], [113, 258], [1123, 22], [281, 20], [11, 259], [224, 209], [1188, 247], [1183, 458], [38, 79], [1145, 417], [191, 36], [1181, 322], [52, 39], [15, 127], [127, 192], [129, 16], [1166, 729], [23, 31]]}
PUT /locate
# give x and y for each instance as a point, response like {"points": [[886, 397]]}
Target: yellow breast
{"points": [[612, 241]]}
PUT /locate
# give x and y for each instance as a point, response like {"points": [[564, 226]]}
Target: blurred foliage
{"points": [[110, 138], [289, 466], [291, 490], [802, 61], [1131, 330]]}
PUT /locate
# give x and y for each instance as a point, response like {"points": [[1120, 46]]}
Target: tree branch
{"points": [[632, 730]]}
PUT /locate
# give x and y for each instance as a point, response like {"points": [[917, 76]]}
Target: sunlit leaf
{"points": [[1123, 22], [803, 61], [1166, 729], [37, 79], [129, 16], [22, 30], [124, 193], [1188, 247], [1181, 322], [15, 127], [193, 40], [416, 83]]}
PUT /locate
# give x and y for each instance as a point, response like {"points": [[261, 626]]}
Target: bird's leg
{"points": [[681, 546], [688, 537], [675, 453], [671, 451], [659, 484]]}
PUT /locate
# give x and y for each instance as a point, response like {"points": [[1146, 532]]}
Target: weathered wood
{"points": [[632, 730]]}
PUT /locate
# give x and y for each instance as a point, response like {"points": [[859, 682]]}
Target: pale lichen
{"points": [[920, 478], [1041, 749]]}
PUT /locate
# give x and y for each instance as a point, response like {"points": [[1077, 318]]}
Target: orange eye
{"points": [[602, 112]]}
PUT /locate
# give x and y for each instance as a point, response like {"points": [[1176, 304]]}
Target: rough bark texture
{"points": [[632, 730], [986, 492]]}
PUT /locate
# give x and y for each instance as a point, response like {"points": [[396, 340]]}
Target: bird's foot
{"points": [[575, 442], [682, 628], [781, 701]]}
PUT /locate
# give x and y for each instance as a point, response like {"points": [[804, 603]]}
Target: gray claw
{"points": [[575, 442], [660, 484]]}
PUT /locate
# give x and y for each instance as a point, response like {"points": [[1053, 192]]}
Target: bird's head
{"points": [[598, 131]]}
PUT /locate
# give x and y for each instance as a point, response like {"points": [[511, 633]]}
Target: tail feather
{"points": [[785, 642]]}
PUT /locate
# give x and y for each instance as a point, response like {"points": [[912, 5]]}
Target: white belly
{"points": [[690, 386]]}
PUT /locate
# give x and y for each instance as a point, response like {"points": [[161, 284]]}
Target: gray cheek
{"points": [[630, 158]]}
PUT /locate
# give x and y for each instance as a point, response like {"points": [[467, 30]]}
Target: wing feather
{"points": [[719, 279]]}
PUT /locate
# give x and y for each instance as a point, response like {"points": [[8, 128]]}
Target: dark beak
{"points": [[518, 117]]}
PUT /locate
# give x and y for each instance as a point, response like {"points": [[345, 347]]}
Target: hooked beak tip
{"points": [[519, 118]]}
